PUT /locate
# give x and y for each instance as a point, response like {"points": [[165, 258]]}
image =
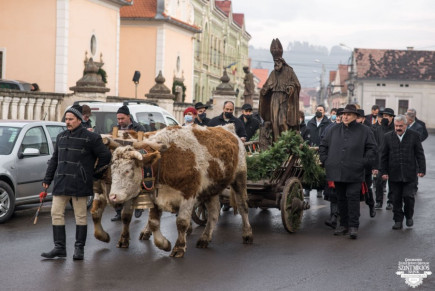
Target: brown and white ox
{"points": [[195, 163]]}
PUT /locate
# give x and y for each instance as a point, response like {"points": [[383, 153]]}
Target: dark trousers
{"points": [[379, 185], [348, 195], [403, 193], [369, 195]]}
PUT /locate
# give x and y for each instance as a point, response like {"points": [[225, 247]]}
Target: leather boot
{"points": [[59, 243], [332, 222], [79, 251], [353, 231]]}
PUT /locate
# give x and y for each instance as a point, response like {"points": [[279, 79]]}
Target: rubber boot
{"points": [[79, 251], [59, 243]]}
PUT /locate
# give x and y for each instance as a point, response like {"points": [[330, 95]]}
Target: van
{"points": [[15, 85], [149, 114]]}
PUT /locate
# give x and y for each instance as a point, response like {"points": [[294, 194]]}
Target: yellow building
{"points": [[46, 42]]}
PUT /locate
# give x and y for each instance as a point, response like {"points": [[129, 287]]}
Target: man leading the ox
{"points": [[228, 117], [72, 169], [251, 124], [125, 122], [345, 151], [402, 160]]}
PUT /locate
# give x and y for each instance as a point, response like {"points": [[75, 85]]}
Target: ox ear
{"points": [[151, 158]]}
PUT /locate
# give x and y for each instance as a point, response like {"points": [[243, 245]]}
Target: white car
{"points": [[151, 116]]}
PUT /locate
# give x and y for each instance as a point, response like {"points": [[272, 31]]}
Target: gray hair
{"points": [[400, 117], [410, 115], [412, 110]]}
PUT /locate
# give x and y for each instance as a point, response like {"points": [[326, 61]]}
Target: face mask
{"points": [[202, 116], [318, 114], [333, 117], [248, 117], [228, 114], [384, 121], [188, 118]]}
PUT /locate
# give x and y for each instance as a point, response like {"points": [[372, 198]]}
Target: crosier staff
{"points": [[42, 196]]}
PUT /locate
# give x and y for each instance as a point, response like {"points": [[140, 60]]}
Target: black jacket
{"points": [[204, 122], [219, 120], [346, 151], [379, 132], [401, 161], [87, 124], [417, 127], [313, 132], [73, 161], [425, 133], [136, 126], [251, 126]]}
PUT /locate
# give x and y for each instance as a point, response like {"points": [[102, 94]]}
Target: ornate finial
{"points": [[160, 79], [225, 78], [86, 56], [276, 49]]}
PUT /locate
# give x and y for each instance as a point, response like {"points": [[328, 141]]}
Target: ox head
{"points": [[127, 165]]}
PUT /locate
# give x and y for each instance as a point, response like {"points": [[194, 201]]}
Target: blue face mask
{"points": [[188, 118], [333, 117]]}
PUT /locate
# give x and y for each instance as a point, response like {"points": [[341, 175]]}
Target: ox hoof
{"points": [[145, 235], [104, 237], [202, 244], [177, 253], [123, 243], [248, 239], [189, 230]]}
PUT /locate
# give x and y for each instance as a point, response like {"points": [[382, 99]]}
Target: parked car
{"points": [[150, 115], [15, 85], [25, 148]]}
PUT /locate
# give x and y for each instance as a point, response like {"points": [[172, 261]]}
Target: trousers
{"points": [[58, 209], [403, 200], [348, 195]]}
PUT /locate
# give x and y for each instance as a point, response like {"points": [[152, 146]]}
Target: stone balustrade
{"points": [[23, 105]]}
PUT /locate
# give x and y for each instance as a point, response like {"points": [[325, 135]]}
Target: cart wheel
{"points": [[292, 204], [200, 214]]}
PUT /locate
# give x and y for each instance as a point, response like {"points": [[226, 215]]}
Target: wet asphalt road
{"points": [[311, 259]]}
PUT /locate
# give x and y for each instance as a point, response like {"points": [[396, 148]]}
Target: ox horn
{"points": [[154, 146]]}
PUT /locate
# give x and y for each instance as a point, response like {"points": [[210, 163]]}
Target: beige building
{"points": [[222, 43], [46, 42], [157, 36]]}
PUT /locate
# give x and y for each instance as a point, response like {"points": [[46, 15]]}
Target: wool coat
{"points": [[402, 160], [313, 132], [251, 126], [72, 164], [346, 151]]}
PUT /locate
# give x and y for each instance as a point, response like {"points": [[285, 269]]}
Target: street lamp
{"points": [[136, 78]]}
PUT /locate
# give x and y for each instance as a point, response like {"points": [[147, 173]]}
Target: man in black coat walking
{"points": [[201, 117], [251, 124], [312, 134], [402, 160], [228, 117], [72, 169], [346, 150]]}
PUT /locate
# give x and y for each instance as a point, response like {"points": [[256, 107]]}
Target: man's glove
{"points": [[42, 195]]}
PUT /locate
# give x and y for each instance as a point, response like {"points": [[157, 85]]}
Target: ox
{"points": [[194, 163]]}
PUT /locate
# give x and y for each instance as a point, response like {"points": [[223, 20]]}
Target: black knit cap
{"points": [[124, 110], [76, 110]]}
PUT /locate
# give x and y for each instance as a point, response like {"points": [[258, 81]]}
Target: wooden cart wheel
{"points": [[200, 214], [292, 204]]}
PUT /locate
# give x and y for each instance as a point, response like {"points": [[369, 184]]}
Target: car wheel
{"points": [[7, 201]]}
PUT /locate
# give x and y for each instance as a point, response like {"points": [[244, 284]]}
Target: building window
{"points": [[403, 106], [380, 103]]}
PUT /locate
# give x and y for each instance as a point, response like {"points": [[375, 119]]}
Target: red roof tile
{"points": [[225, 6], [262, 75], [239, 18], [140, 9], [395, 64], [343, 71]]}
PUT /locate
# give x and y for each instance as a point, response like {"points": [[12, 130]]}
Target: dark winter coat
{"points": [[204, 121], [73, 161], [136, 126], [379, 132], [401, 161], [219, 120], [251, 126], [425, 134], [417, 127], [87, 124], [346, 151], [313, 132], [302, 127]]}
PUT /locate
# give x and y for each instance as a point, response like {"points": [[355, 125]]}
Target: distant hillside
{"points": [[301, 56]]}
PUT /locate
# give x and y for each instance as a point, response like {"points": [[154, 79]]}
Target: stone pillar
{"points": [[22, 108], [224, 92], [52, 110], [14, 108], [162, 94], [38, 109], [30, 107]]}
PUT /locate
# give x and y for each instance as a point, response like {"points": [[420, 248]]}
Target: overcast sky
{"points": [[381, 24]]}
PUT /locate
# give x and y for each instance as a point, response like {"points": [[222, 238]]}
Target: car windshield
{"points": [[151, 120], [8, 137]]}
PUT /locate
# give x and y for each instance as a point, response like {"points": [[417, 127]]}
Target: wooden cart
{"points": [[282, 191]]}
